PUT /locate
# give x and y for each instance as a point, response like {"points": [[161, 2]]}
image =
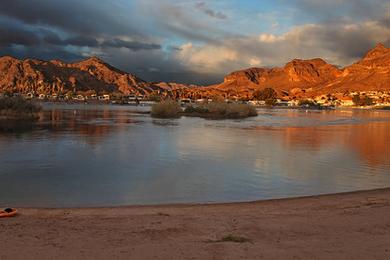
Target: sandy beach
{"points": [[341, 226]]}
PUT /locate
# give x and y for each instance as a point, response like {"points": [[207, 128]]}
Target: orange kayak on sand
{"points": [[8, 212]]}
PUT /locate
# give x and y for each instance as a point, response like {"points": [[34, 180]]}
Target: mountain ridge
{"points": [[312, 76], [370, 73]]}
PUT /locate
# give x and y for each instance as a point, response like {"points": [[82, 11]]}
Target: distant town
{"points": [[351, 99]]}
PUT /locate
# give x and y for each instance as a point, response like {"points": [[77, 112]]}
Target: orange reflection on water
{"points": [[371, 141]]}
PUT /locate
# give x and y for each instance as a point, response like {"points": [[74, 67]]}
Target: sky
{"points": [[193, 41]]}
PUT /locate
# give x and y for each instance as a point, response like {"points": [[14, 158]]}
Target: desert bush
{"points": [[383, 108], [235, 239], [232, 110], [196, 109], [166, 109], [213, 110], [17, 108], [154, 97], [222, 110]]}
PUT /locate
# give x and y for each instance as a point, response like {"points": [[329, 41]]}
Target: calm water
{"points": [[109, 155]]}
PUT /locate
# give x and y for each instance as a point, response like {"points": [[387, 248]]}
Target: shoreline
{"points": [[353, 225], [208, 204], [324, 108]]}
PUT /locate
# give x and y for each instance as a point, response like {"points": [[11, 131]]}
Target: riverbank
{"points": [[342, 226]]}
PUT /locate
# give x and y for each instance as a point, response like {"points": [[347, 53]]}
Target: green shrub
{"points": [[166, 109], [235, 239]]}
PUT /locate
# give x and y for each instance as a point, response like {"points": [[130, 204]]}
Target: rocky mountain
{"points": [[174, 86], [315, 76], [56, 76], [310, 77], [370, 73]]}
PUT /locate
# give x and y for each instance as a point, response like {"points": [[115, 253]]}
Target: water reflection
{"points": [[80, 122], [94, 156], [15, 127], [370, 140]]}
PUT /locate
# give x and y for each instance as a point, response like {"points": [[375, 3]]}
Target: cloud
{"points": [[131, 45], [72, 29], [268, 38], [338, 44], [81, 41], [11, 34], [357, 10], [180, 22], [193, 41], [206, 58], [215, 14], [255, 61], [39, 53], [85, 17]]}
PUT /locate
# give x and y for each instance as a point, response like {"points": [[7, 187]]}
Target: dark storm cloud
{"points": [[82, 41], [51, 26], [210, 12], [40, 53], [180, 21], [132, 45], [19, 34], [50, 37], [86, 16], [88, 41], [11, 36], [12, 32]]}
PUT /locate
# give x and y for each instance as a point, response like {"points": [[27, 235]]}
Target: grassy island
{"points": [[166, 109], [213, 110], [18, 109], [384, 108]]}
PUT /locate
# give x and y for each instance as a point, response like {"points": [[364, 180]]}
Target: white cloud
{"points": [[338, 44], [265, 37], [207, 57], [255, 61]]}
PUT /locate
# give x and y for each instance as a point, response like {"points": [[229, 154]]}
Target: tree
{"points": [[154, 97], [365, 101], [307, 103], [217, 98], [268, 95]]}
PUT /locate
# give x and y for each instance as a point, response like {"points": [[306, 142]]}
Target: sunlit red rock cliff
{"points": [[312, 77], [57, 76], [316, 76]]}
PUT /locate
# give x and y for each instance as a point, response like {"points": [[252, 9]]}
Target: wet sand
{"points": [[342, 226]]}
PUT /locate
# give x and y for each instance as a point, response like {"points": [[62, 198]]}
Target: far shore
{"points": [[149, 103], [354, 225]]}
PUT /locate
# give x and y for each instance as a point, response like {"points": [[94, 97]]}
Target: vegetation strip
{"points": [[212, 110]]}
